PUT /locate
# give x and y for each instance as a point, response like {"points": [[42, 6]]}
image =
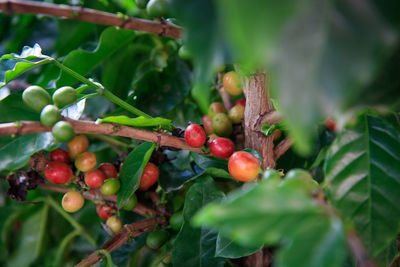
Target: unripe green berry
{"points": [[50, 115]]}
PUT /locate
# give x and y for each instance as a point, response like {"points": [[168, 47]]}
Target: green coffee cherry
{"points": [[50, 115], [156, 239], [157, 8], [36, 97], [184, 53], [64, 96], [176, 221], [63, 131], [222, 125], [132, 201], [141, 3], [111, 186]]}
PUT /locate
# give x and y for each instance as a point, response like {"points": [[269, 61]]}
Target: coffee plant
{"points": [[200, 133]]}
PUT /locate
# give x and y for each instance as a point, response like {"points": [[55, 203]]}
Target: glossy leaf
{"points": [[16, 154], [138, 122], [32, 236], [13, 65], [132, 170], [363, 177], [278, 215], [111, 40], [196, 246], [12, 108]]}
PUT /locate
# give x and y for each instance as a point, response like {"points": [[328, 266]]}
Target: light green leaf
{"points": [[138, 122], [362, 171], [228, 249], [132, 170]]}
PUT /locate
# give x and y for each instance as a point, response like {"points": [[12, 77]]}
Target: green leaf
{"points": [[111, 41], [13, 65], [31, 239], [12, 108], [278, 215], [228, 249], [132, 170], [196, 246], [16, 154], [138, 122], [362, 171]]}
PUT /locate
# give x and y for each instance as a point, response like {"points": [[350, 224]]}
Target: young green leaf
{"points": [[139, 121]]}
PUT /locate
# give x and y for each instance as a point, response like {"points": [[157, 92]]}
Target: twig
{"points": [[156, 201], [128, 232], [273, 117], [282, 147], [89, 127], [226, 98], [358, 250], [86, 14]]}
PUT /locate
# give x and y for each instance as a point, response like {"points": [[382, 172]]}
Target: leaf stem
{"points": [[101, 90]]}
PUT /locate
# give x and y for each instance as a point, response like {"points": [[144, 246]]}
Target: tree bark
{"points": [[258, 105]]}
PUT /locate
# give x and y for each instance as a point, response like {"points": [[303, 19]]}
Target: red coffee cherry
{"points": [[72, 201], [149, 176], [58, 172], [108, 170], [94, 178], [330, 123], [243, 166], [222, 147], [231, 83], [195, 135], [85, 161], [241, 101], [207, 123], [104, 212], [59, 155]]}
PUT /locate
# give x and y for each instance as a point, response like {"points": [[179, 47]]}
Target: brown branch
{"points": [[128, 232], [282, 147], [273, 117], [358, 250], [95, 16], [86, 127]]}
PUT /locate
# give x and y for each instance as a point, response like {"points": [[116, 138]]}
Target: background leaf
{"points": [[12, 108], [132, 170], [363, 177], [228, 249], [196, 246]]}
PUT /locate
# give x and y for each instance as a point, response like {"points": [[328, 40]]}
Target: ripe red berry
{"points": [[330, 123], [221, 147], [104, 212], [149, 176], [58, 172], [94, 178], [241, 101], [195, 135], [108, 170], [207, 123], [243, 166], [59, 155]]}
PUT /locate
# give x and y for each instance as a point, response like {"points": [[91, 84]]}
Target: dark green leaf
{"points": [[17, 153], [112, 40], [13, 65], [196, 246], [363, 176], [132, 170], [284, 214], [31, 239], [139, 121], [228, 249], [12, 108]]}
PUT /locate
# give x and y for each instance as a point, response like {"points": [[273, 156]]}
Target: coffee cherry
{"points": [[207, 124], [236, 114], [176, 221], [149, 176], [94, 178], [195, 135], [184, 53], [156, 239], [157, 8], [241, 101], [132, 201], [141, 3], [78, 145], [108, 170], [110, 187], [114, 223], [243, 166], [72, 201], [222, 147], [50, 115], [63, 131], [330, 123], [232, 84], [60, 155], [85, 161], [216, 108], [36, 97], [64, 96], [104, 212], [58, 172], [222, 125]]}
